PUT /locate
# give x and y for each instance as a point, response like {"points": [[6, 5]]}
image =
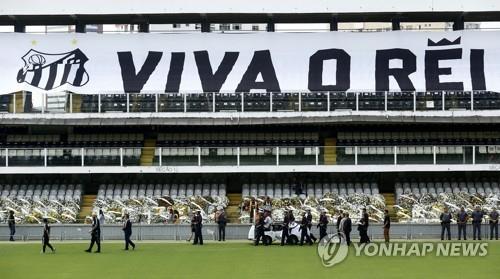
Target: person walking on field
{"points": [[346, 228], [127, 230], [12, 225], [46, 236], [95, 234], [323, 224], [198, 223], [387, 225], [304, 231], [309, 224]]}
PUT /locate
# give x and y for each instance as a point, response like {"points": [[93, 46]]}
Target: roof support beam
{"points": [[459, 24], [144, 27], [396, 24], [334, 24]]}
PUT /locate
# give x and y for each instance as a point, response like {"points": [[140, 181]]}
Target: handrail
{"points": [[246, 155], [245, 102]]}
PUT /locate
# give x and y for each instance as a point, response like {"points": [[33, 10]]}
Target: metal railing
{"points": [[69, 232], [251, 155], [252, 102]]}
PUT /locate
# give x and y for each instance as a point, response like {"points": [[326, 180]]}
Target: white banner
{"points": [[256, 62]]}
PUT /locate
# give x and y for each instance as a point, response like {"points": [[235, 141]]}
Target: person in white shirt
{"points": [[268, 221], [101, 221]]}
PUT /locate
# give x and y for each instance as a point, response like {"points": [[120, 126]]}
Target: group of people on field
{"points": [[462, 218]]}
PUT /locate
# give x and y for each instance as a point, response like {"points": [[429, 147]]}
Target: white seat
{"points": [[174, 188], [245, 190], [198, 189], [262, 190], [205, 190], [286, 191], [358, 188], [310, 190], [342, 189], [253, 190], [165, 191], [471, 185], [270, 190], [318, 190], [181, 191], [278, 193], [214, 190], [222, 190], [367, 189], [334, 188], [190, 190]]}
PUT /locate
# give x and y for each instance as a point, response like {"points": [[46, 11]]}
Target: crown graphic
{"points": [[443, 42]]}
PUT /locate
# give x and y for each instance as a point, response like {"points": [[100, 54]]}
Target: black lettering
{"points": [[175, 72], [401, 75], [477, 69], [342, 75], [133, 82], [433, 71], [261, 64], [211, 82]]}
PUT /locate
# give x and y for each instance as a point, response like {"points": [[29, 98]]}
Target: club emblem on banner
{"points": [[49, 71]]}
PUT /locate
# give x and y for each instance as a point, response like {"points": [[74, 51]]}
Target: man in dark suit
{"points": [[221, 222], [95, 233], [477, 217], [494, 223], [339, 219], [309, 224], [198, 223], [445, 219], [46, 236], [304, 230], [462, 218], [12, 225], [363, 227], [286, 226], [127, 229], [387, 225], [346, 228], [323, 224], [259, 228]]}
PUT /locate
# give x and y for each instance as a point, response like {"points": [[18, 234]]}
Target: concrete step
{"points": [[87, 204]]}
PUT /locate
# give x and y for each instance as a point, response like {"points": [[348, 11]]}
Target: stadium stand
{"points": [[59, 202]]}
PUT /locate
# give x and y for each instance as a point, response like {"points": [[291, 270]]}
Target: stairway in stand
{"points": [[86, 207], [233, 210], [330, 152], [76, 102], [17, 102], [148, 152], [390, 201]]}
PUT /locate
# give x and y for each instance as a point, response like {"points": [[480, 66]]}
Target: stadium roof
{"points": [[61, 12]]}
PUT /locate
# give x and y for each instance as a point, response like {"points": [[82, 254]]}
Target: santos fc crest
{"points": [[49, 71]]}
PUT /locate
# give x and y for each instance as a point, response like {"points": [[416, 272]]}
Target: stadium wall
{"points": [[233, 232]]}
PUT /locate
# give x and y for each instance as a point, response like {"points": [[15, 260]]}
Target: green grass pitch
{"points": [[227, 260]]}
